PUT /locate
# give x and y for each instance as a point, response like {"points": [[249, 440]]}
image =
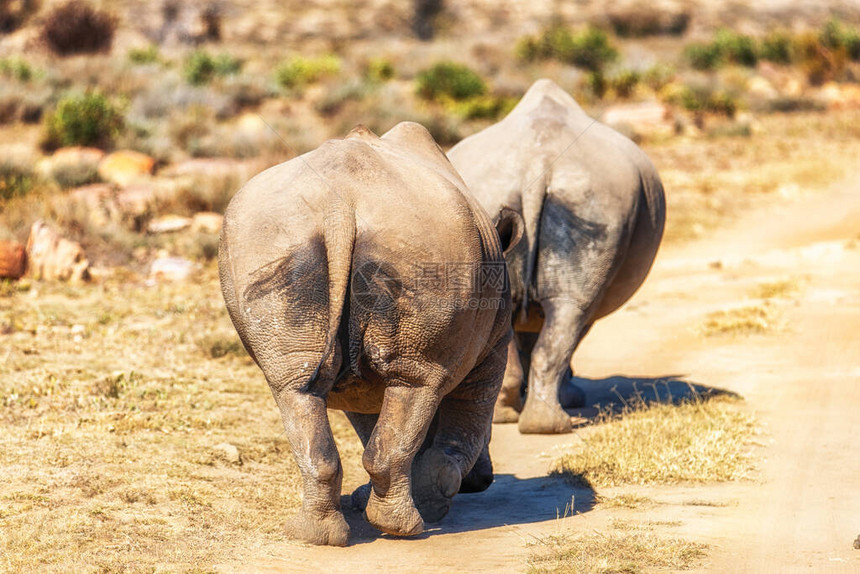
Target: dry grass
{"points": [[747, 320], [627, 547], [112, 399], [627, 500], [697, 441], [778, 289]]}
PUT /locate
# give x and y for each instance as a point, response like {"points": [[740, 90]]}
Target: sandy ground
{"points": [[802, 510]]}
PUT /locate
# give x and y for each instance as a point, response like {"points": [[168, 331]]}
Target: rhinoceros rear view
{"points": [[363, 276]]}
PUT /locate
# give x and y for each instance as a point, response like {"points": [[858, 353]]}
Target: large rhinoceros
{"points": [[363, 276], [594, 211]]}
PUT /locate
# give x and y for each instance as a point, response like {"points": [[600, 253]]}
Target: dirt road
{"points": [[801, 512]]}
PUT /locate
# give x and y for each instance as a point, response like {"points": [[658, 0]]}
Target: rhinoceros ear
{"points": [[509, 226]]}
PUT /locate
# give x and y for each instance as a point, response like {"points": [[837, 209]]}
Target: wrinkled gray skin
{"points": [[320, 269], [594, 211]]}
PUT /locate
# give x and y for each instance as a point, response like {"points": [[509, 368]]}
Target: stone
{"points": [[135, 201], [97, 199], [171, 269], [207, 222], [643, 118], [760, 87], [229, 452], [840, 96], [13, 260], [55, 258], [168, 224], [125, 166]]}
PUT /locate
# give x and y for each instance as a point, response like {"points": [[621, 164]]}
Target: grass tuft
{"points": [[624, 549], [749, 320], [696, 441]]}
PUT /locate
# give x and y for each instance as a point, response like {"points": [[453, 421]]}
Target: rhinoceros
{"points": [[594, 212], [363, 276]]}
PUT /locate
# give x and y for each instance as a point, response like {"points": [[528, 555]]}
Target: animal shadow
{"points": [[508, 501], [620, 392]]}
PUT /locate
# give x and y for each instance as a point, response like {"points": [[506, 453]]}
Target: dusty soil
{"points": [[802, 510]]}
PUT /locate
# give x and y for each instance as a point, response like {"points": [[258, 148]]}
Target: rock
{"points": [[13, 260], [760, 87], [97, 199], [125, 166], [52, 257], [840, 96], [643, 118], [229, 452], [207, 221], [169, 224], [134, 202], [171, 269], [71, 166], [857, 543]]}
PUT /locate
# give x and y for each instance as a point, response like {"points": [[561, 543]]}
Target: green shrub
{"points": [[703, 100], [836, 35], [597, 83], [658, 76], [15, 180], [299, 71], [776, 47], [201, 67], [449, 79], [624, 82], [148, 55], [485, 107], [378, 70], [78, 28], [704, 56], [89, 120], [738, 48], [589, 48], [16, 68]]}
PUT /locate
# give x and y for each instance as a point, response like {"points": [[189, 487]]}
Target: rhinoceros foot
{"points": [[435, 481], [543, 417], [329, 530], [393, 516]]}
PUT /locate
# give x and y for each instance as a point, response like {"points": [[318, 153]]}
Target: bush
{"points": [[776, 47], [15, 180], [703, 100], [837, 36], [485, 107], [820, 63], [378, 70], [78, 28], [704, 56], [589, 48], [87, 120], [201, 68], [643, 20], [726, 47], [451, 80], [16, 68], [298, 71], [624, 83], [148, 55]]}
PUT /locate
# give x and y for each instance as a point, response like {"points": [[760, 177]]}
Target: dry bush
{"points": [[642, 19], [694, 441], [748, 320], [625, 548], [78, 28]]}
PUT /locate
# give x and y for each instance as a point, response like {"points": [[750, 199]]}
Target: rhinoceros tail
{"points": [[533, 198], [339, 236]]}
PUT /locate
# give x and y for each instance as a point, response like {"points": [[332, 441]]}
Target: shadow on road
{"points": [[509, 501], [619, 392]]}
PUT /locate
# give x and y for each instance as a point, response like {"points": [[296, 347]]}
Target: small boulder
{"points": [[54, 258], [228, 452], [13, 260], [169, 224], [125, 166], [97, 199], [207, 222], [171, 269]]}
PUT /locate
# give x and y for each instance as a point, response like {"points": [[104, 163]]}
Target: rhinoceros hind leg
{"points": [[481, 476], [407, 412], [510, 401], [550, 367]]}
